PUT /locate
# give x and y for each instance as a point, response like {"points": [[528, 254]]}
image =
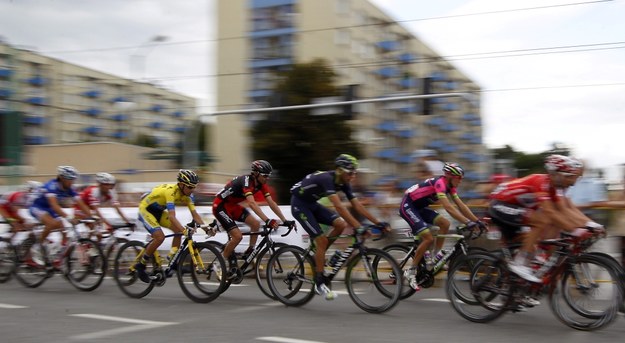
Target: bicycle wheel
{"points": [[290, 275], [202, 282], [111, 253], [85, 265], [621, 273], [7, 259], [30, 265], [588, 294], [478, 287], [125, 274], [371, 280], [260, 267], [399, 252]]}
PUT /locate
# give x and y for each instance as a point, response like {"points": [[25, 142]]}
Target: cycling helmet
{"points": [[105, 178], [347, 162], [31, 186], [67, 172], [262, 167], [562, 164], [188, 177], [453, 169]]}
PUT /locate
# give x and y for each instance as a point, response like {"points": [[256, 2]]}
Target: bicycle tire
{"points": [[30, 266], [290, 274], [400, 253], [85, 265], [261, 265], [207, 280], [8, 256], [478, 287], [370, 279], [621, 272], [111, 253], [586, 278], [126, 278]]}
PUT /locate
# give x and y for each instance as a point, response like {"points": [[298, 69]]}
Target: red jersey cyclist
{"points": [[157, 209], [101, 195], [414, 209], [228, 210], [11, 203], [533, 206]]}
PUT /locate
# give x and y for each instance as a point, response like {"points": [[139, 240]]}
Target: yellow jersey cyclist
{"points": [[157, 209]]}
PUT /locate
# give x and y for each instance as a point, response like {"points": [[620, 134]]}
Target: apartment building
{"points": [[371, 53], [48, 101]]}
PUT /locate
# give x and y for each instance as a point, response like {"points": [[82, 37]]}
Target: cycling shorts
{"points": [[227, 214], [310, 215], [418, 218]]}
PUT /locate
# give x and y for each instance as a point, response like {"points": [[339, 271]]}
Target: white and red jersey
{"points": [[527, 192], [93, 197], [13, 201]]}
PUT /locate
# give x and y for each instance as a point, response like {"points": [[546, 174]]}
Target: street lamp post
{"points": [[138, 58]]}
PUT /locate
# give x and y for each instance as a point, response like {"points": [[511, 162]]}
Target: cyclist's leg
{"points": [[152, 225], [443, 223], [227, 215], [254, 225]]}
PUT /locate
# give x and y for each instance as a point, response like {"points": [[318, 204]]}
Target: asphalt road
{"points": [[56, 312]]}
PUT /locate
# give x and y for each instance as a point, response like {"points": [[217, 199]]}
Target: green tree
{"points": [[526, 164], [295, 142]]}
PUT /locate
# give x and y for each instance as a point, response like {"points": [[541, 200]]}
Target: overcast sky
{"points": [[551, 71]]}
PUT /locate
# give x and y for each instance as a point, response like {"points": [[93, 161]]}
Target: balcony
{"points": [[178, 114], [36, 100], [273, 32], [179, 129], [270, 3], [5, 93], [35, 140], [93, 94], [119, 134], [388, 72], [157, 108], [409, 82], [155, 125], [390, 153], [120, 99], [388, 45], [120, 117], [407, 57], [34, 120], [92, 130], [259, 93], [406, 133], [269, 63], [92, 112], [404, 159], [449, 127], [37, 81], [438, 76], [6, 73], [387, 125]]}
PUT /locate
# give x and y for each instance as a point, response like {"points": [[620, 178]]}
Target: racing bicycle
{"points": [[370, 274], [197, 265]]}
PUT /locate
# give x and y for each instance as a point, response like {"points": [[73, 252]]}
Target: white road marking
{"points": [[285, 340], [140, 325], [441, 300], [255, 308], [9, 306]]}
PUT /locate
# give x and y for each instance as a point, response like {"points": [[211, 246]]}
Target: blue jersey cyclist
{"points": [[310, 214], [157, 209], [414, 209], [55, 194]]}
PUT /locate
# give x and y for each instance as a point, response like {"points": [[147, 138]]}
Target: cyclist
{"points": [[228, 210], [101, 195], [55, 194], [11, 203], [532, 207], [311, 214], [157, 209], [414, 209]]}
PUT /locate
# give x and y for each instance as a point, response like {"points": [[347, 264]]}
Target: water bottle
{"points": [[427, 258], [439, 255], [334, 258]]}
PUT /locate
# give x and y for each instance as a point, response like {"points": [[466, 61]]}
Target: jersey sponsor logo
{"points": [[509, 210]]}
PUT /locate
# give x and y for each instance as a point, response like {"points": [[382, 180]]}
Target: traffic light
{"points": [[350, 94], [427, 89]]}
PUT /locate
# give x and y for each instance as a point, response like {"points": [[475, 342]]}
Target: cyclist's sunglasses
{"points": [[265, 175], [349, 172]]}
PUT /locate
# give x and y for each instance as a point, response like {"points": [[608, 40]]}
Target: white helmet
{"points": [[67, 172], [105, 178], [31, 186]]}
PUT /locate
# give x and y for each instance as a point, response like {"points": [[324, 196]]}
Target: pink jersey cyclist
{"points": [[414, 206]]}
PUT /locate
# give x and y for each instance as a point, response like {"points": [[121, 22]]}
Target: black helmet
{"points": [[262, 167], [453, 169], [188, 177], [347, 162]]}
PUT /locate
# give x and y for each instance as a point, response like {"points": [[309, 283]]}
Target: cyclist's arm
{"points": [[572, 212], [464, 209], [254, 206], [275, 208], [196, 217], [121, 213], [175, 223], [451, 209], [342, 211], [357, 205], [56, 207], [83, 206], [554, 217]]}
